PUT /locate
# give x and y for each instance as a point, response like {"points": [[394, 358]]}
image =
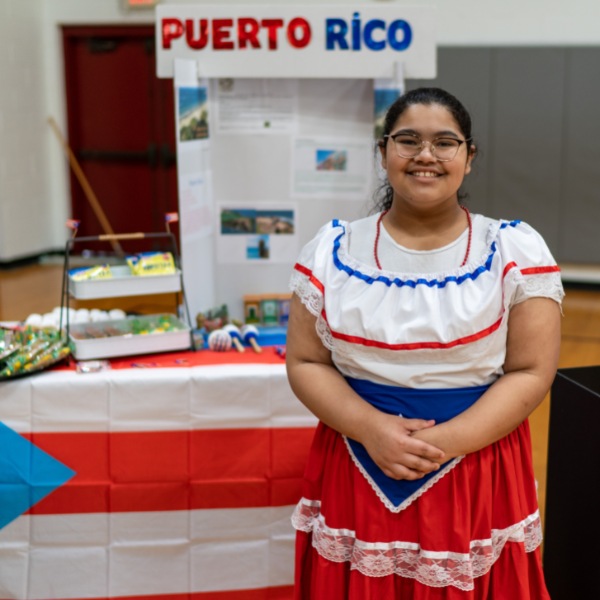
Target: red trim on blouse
{"points": [[531, 270], [419, 345], [508, 267], [353, 339], [312, 279], [538, 270]]}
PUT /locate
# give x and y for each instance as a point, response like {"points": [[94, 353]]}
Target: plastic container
{"points": [[123, 283], [146, 334]]}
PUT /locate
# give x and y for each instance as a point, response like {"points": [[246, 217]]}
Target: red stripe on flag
{"points": [[271, 593], [187, 359], [72, 223], [176, 470]]}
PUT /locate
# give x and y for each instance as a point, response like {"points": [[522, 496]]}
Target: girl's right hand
{"points": [[387, 439]]}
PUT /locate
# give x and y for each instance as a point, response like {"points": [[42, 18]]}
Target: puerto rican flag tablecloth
{"points": [[165, 477]]}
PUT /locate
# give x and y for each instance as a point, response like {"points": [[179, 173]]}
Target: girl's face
{"points": [[424, 181]]}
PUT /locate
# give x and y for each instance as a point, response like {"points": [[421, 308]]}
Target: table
{"points": [[175, 477]]}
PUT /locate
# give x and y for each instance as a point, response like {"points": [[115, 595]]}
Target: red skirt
{"points": [[474, 534]]}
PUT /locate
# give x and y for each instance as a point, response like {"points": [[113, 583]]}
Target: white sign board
{"points": [[295, 41]]}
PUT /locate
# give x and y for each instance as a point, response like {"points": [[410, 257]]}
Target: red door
{"points": [[121, 128]]}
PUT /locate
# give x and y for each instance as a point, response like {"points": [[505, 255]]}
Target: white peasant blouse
{"points": [[421, 321]]}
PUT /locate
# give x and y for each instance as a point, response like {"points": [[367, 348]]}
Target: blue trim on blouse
{"points": [[413, 282]]}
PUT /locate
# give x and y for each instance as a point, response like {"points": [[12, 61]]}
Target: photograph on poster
{"points": [[263, 233], [245, 106], [331, 160], [327, 168], [275, 221], [257, 247], [383, 99], [385, 92], [245, 221], [238, 221], [192, 108]]}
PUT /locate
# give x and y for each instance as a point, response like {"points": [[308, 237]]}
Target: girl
{"points": [[422, 337]]}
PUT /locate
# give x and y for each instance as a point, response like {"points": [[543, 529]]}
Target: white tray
{"points": [[123, 283], [126, 343]]}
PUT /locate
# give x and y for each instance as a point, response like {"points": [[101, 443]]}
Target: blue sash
{"points": [[439, 404]]}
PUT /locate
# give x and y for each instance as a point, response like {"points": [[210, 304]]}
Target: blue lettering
{"points": [[406, 30], [368, 34], [356, 31], [336, 30], [399, 34]]}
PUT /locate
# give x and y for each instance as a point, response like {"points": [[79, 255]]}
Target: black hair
{"points": [[422, 95]]}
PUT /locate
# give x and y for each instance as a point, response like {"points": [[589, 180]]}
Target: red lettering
{"points": [[272, 25], [248, 32], [221, 30], [202, 39], [171, 30], [227, 34], [298, 32]]}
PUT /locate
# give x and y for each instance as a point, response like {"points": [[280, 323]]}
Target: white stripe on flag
{"points": [[141, 554], [162, 399]]}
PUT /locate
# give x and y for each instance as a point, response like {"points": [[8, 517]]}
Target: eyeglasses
{"points": [[443, 149]]}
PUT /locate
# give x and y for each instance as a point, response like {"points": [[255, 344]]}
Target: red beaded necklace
{"points": [[378, 233]]}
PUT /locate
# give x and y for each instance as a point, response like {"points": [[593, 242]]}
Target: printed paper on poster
{"points": [[261, 234], [245, 106], [331, 168]]}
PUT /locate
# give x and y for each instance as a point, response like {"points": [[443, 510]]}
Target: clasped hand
{"points": [[389, 442]]}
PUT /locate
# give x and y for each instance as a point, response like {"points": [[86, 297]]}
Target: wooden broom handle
{"points": [[87, 189]]}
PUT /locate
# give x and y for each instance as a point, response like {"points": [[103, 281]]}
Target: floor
{"points": [[37, 289]]}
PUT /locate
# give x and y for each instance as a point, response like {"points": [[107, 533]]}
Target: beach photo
{"points": [[275, 221], [257, 247], [193, 114]]}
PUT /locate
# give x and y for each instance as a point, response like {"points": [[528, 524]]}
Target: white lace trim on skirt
{"points": [[407, 559]]}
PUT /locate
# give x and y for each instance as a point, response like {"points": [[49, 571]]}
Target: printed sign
{"points": [[297, 41]]}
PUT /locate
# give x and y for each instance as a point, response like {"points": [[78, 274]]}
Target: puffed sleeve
{"points": [[529, 267], [308, 276]]}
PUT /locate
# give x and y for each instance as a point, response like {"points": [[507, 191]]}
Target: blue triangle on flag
{"points": [[27, 474]]}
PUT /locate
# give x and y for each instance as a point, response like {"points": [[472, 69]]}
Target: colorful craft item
{"points": [[250, 336], [28, 350], [235, 335], [87, 273], [219, 340], [214, 318], [73, 224], [151, 263]]}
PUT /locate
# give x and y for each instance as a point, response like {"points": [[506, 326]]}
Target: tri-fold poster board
{"points": [[277, 109]]}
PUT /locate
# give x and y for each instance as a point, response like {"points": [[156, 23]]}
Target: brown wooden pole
{"points": [[87, 189]]}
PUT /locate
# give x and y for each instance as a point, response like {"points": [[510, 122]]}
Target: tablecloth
{"points": [[167, 477]]}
